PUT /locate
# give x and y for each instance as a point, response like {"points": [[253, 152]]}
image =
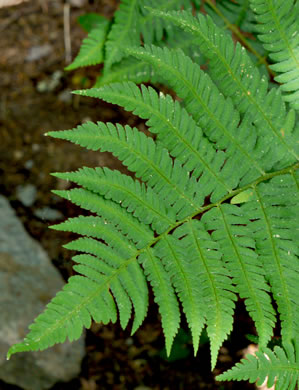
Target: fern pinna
{"points": [[210, 214]]}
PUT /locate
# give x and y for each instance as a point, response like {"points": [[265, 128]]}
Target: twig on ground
{"points": [[67, 33]]}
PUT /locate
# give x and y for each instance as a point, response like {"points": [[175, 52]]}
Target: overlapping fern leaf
{"points": [[211, 212], [279, 367], [133, 20], [278, 28], [91, 51]]}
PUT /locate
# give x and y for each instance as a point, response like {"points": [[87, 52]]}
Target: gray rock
{"points": [[26, 194], [48, 214], [28, 281]]}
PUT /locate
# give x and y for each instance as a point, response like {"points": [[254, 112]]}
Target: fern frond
{"points": [[143, 202], [131, 227], [90, 20], [165, 297], [122, 33], [89, 297], [279, 367], [214, 286], [278, 28], [99, 228], [213, 113], [237, 77], [175, 130], [228, 140], [274, 209], [138, 71], [132, 19], [153, 29], [231, 231], [128, 69], [91, 50], [149, 161]]}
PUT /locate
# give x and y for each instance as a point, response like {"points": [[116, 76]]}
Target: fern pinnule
{"points": [[91, 51], [231, 229], [237, 77], [212, 112], [165, 296], [278, 367], [278, 30], [141, 234], [149, 161], [122, 33], [273, 209], [215, 290], [142, 202], [175, 131]]}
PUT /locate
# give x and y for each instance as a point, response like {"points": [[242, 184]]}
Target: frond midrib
{"points": [[218, 123], [103, 286], [182, 139], [149, 163], [241, 87]]}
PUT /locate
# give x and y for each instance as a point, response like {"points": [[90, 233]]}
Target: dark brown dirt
{"points": [[114, 360]]}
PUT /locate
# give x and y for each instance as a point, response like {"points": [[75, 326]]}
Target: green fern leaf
{"points": [[154, 29], [278, 28], [127, 69], [90, 20], [164, 295], [175, 130], [122, 33], [142, 156], [232, 232], [135, 197], [125, 222], [279, 367], [274, 209], [80, 300], [211, 213], [237, 77], [213, 113], [91, 51], [216, 290]]}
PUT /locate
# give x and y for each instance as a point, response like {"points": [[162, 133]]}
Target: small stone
{"points": [[37, 52], [26, 194], [65, 96], [48, 214], [29, 164], [77, 3]]}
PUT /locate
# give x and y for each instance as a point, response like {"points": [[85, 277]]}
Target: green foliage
{"points": [[91, 51], [132, 21], [278, 367], [278, 30], [210, 211]]}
